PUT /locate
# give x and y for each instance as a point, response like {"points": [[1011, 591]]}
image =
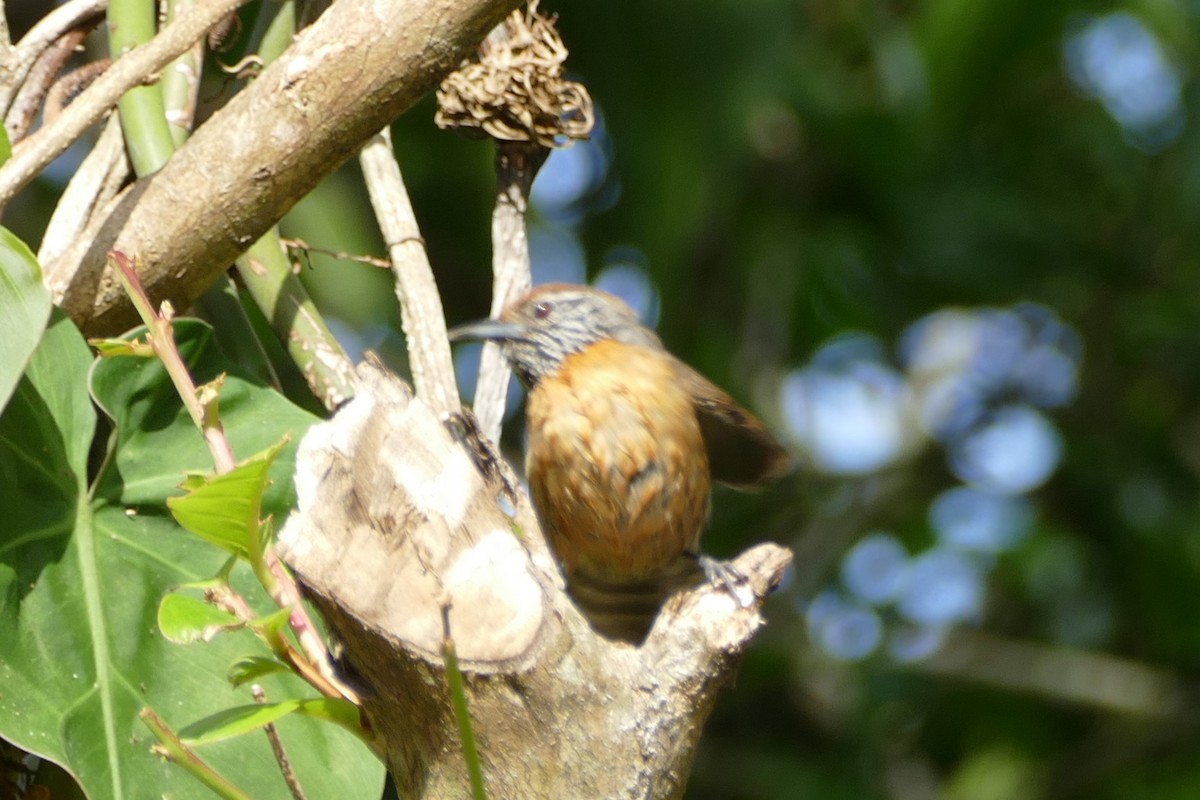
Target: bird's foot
{"points": [[725, 574]]}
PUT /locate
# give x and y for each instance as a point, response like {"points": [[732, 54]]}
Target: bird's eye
{"points": [[543, 309]]}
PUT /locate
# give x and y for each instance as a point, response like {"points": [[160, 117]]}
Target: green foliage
{"points": [[184, 619], [156, 439], [24, 305], [83, 570], [252, 668], [224, 510]]}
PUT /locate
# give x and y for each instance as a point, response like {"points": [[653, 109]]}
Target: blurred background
{"points": [[949, 251]]}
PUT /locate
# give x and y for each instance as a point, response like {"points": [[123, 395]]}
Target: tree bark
{"points": [[358, 67], [396, 521]]}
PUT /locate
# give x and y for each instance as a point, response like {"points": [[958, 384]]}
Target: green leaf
{"points": [[122, 348], [233, 722], [158, 442], [24, 307], [81, 579], [238, 721], [5, 145], [185, 619], [252, 668], [333, 709], [225, 509]]}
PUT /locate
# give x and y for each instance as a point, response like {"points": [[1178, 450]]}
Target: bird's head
{"points": [[553, 321]]}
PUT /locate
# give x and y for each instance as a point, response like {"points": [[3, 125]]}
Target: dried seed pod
{"points": [[515, 91]]}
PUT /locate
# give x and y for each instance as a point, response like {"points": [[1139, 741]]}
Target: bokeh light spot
{"points": [[556, 255], [850, 419], [845, 630], [876, 568], [944, 587], [1015, 451], [1121, 63], [910, 643], [626, 276], [970, 519]]}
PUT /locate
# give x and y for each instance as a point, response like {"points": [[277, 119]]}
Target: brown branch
{"points": [[277, 748], [355, 69], [39, 82], [1064, 674]]}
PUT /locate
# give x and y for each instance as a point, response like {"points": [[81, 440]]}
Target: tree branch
{"points": [[360, 65]]}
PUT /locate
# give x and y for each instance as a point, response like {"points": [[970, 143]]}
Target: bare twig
{"points": [[287, 595], [37, 84], [1099, 680], [49, 29], [517, 164], [36, 152], [292, 243], [69, 269], [69, 86], [420, 305], [281, 756], [199, 403], [6, 45]]}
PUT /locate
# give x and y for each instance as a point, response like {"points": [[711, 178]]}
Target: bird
{"points": [[623, 443]]}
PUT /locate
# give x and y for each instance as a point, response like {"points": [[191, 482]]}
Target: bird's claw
{"points": [[725, 574]]}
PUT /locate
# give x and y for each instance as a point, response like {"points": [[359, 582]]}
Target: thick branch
{"points": [[360, 65], [395, 522]]}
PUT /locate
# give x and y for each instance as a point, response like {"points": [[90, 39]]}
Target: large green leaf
{"points": [[24, 308], [81, 579]]}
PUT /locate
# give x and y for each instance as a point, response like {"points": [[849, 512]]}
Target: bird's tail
{"points": [[625, 609]]}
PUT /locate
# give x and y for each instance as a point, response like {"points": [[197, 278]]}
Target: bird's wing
{"points": [[741, 451]]}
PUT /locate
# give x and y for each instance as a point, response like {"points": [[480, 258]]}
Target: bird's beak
{"points": [[487, 329]]}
